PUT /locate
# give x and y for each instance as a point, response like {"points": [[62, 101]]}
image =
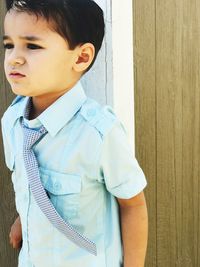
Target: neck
{"points": [[40, 104]]}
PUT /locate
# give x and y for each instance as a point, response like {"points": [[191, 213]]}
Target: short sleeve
{"points": [[118, 167], [9, 157]]}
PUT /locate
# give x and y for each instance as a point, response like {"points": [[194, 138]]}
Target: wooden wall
{"points": [[167, 96]]}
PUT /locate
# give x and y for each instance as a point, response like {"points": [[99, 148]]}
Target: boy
{"points": [[84, 161]]}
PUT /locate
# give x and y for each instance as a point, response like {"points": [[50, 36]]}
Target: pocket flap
{"points": [[60, 183]]}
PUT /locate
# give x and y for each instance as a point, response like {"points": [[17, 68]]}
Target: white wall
{"points": [[98, 82], [110, 81]]}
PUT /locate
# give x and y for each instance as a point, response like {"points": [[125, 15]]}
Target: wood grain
{"points": [[145, 110], [170, 152]]}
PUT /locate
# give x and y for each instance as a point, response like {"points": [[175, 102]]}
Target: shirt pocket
{"points": [[63, 189]]}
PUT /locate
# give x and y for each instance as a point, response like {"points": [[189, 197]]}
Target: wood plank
{"points": [[191, 134], [169, 131], [145, 106], [177, 85]]}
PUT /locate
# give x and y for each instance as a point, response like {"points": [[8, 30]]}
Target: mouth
{"points": [[16, 75]]}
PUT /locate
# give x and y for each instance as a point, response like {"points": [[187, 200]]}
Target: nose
{"points": [[15, 59]]}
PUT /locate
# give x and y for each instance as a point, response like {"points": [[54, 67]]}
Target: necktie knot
{"points": [[31, 136]]}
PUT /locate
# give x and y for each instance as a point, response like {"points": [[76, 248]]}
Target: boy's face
{"points": [[46, 63]]}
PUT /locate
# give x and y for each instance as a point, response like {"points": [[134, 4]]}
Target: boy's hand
{"points": [[16, 234]]}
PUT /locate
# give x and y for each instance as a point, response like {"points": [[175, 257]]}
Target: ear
{"points": [[85, 56]]}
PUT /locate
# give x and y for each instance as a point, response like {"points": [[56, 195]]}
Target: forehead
{"points": [[22, 23]]}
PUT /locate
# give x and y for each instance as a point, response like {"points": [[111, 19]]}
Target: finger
{"points": [[10, 239], [17, 245], [15, 240]]}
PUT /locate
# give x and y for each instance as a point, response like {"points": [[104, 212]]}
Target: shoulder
{"points": [[11, 113], [17, 99], [100, 117]]}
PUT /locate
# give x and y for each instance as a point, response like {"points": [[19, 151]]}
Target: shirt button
{"points": [[57, 186], [91, 112]]}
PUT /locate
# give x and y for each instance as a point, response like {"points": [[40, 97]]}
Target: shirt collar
{"points": [[61, 111]]}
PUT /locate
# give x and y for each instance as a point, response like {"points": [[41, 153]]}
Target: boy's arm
{"points": [[16, 234], [134, 227]]}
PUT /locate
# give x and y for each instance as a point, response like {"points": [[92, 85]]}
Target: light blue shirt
{"points": [[85, 161]]}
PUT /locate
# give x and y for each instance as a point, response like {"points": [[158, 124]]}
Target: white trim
{"points": [[102, 4], [123, 77]]}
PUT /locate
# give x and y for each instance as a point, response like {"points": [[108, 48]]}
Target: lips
{"points": [[16, 74]]}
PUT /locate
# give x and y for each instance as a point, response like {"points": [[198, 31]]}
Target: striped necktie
{"points": [[31, 136]]}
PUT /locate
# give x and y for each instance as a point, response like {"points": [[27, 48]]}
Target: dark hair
{"points": [[77, 21]]}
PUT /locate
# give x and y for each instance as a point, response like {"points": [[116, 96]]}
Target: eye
{"points": [[33, 46], [8, 46], [30, 46]]}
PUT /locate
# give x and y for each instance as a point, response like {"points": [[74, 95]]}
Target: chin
{"points": [[20, 91]]}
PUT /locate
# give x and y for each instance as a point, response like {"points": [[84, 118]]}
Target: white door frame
{"points": [[123, 74]]}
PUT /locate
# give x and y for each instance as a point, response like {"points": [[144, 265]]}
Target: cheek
{"points": [[48, 64], [58, 68], [37, 69], [5, 67], [62, 61], [6, 63]]}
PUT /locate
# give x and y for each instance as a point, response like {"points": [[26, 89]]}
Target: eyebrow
{"points": [[26, 38]]}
